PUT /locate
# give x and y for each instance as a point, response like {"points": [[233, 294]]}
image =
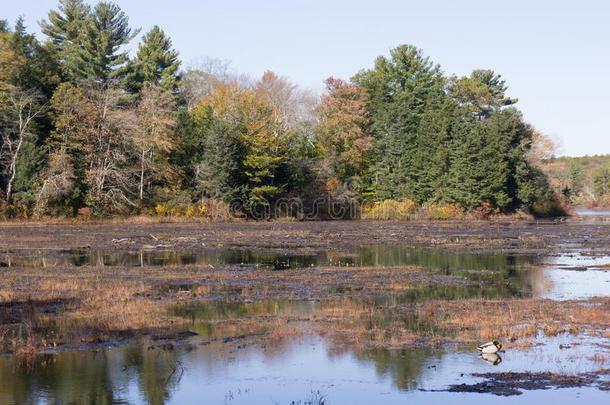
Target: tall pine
{"points": [[156, 62], [64, 28], [100, 57]]}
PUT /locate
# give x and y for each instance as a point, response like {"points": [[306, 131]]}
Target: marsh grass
{"points": [[57, 307], [515, 321]]}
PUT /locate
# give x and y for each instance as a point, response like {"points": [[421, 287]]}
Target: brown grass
{"points": [[515, 322], [41, 308], [96, 303]]}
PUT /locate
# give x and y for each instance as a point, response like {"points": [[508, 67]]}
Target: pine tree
{"points": [[431, 162], [399, 89], [156, 62], [64, 28], [99, 56], [37, 69]]}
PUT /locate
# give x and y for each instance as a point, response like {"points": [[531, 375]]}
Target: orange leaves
{"points": [[344, 133]]}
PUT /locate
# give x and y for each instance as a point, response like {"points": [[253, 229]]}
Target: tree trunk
{"points": [[14, 157], [142, 157]]}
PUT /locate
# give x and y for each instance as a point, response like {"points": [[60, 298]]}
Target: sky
{"points": [[553, 54]]}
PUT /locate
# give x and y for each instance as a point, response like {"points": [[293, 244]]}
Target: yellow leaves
{"points": [[252, 114], [390, 210], [244, 107], [202, 209], [409, 210], [10, 63], [76, 116]]}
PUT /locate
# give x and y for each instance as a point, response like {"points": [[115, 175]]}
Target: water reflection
{"points": [[282, 371], [89, 257], [109, 376], [495, 275], [374, 255], [265, 375]]}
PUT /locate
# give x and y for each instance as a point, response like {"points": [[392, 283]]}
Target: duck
{"points": [[492, 358], [490, 347]]}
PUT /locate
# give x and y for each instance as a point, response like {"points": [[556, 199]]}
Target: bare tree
{"points": [[108, 149], [154, 137], [542, 148], [202, 76], [296, 107], [22, 109], [59, 180]]}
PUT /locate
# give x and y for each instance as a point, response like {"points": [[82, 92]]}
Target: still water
{"points": [[310, 369], [561, 277], [292, 371]]}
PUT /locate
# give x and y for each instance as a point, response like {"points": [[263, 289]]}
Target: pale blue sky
{"points": [[555, 55]]}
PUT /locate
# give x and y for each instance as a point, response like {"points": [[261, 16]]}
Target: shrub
{"points": [[85, 213], [161, 209], [442, 212], [484, 211], [549, 208], [206, 209], [390, 210]]}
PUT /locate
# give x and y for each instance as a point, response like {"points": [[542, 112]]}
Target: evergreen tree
{"points": [[431, 163], [32, 65], [99, 57], [575, 178], [481, 93], [156, 62], [399, 89], [220, 173], [601, 182], [64, 28], [28, 76]]}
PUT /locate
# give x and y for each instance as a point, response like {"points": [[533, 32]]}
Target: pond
{"points": [[562, 277], [307, 368], [301, 369], [588, 212]]}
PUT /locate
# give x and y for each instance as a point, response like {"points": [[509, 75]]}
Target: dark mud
{"points": [[307, 237], [513, 383]]}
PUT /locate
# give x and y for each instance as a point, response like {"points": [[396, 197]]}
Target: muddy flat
{"points": [[535, 236]]}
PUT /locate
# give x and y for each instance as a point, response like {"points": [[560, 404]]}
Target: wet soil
{"points": [[308, 237], [513, 383]]}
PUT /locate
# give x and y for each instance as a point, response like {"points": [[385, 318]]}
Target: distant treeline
{"points": [[583, 180], [87, 128]]}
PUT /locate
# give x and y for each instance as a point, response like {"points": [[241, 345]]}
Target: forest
{"points": [[89, 128], [583, 181]]}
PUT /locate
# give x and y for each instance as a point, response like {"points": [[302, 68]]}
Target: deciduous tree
{"points": [[344, 133], [154, 139], [17, 121]]}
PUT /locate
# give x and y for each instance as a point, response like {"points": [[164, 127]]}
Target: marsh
{"points": [[279, 312]]}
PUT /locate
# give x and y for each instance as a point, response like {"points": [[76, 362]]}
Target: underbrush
{"points": [[408, 210], [206, 209]]}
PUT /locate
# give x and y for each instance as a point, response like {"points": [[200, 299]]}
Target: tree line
{"points": [[86, 126], [583, 181]]}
